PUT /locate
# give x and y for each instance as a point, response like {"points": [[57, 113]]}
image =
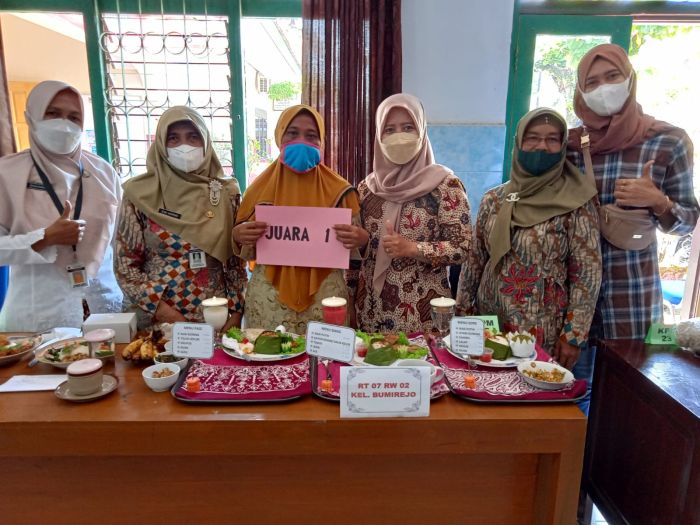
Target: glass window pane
{"points": [[272, 67], [554, 71]]}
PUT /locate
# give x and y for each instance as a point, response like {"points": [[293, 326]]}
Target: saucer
{"points": [[109, 384]]}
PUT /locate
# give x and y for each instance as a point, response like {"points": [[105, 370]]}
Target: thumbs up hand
{"points": [[396, 245], [641, 192], [65, 230]]}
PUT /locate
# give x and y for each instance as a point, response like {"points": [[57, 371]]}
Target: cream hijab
{"points": [[400, 183], [24, 210], [163, 186]]}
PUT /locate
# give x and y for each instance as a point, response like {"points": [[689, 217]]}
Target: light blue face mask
{"points": [[300, 156]]}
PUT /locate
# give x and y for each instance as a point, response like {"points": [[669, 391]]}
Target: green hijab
{"points": [[201, 223], [529, 199]]}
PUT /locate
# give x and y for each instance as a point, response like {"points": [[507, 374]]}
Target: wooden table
{"points": [[643, 449], [141, 457]]}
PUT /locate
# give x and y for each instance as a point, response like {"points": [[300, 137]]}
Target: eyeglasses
{"points": [[532, 141]]}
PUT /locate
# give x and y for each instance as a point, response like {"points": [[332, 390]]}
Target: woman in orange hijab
{"points": [[291, 295]]}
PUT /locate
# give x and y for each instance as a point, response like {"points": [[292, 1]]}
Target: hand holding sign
{"points": [[396, 245], [248, 233], [351, 236]]}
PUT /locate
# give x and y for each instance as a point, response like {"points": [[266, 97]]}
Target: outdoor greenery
{"points": [[283, 90]]}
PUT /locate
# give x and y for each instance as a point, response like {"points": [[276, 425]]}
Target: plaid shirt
{"points": [[630, 296]]}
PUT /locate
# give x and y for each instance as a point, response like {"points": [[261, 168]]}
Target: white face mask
{"points": [[607, 99], [399, 148], [58, 135], [186, 158]]}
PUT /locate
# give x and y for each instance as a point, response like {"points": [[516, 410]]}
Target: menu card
{"points": [[194, 340], [32, 383], [330, 341], [467, 335]]}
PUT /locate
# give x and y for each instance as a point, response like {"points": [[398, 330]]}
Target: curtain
{"points": [[351, 62], [7, 137]]}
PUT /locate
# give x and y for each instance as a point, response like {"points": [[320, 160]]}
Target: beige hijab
{"points": [[24, 210], [539, 198], [187, 194], [400, 183]]}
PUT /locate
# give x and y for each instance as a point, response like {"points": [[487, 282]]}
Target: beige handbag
{"points": [[627, 229]]}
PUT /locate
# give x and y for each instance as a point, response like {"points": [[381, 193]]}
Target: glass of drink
{"points": [[215, 312], [442, 310], [335, 310]]}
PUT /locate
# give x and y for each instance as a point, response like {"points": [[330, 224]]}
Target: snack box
{"points": [[124, 325]]}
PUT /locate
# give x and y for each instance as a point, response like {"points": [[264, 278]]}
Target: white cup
{"points": [[84, 377], [436, 372]]}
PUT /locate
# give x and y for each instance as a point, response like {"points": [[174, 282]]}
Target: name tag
{"points": [[169, 213], [198, 259], [77, 275]]}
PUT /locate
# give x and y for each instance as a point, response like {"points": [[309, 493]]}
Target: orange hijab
{"points": [[627, 128], [280, 186]]}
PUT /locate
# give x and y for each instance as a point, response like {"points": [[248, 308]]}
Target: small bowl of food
{"points": [[546, 376], [161, 377], [169, 357]]}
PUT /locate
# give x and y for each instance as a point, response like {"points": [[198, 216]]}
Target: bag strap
{"points": [[587, 161]]}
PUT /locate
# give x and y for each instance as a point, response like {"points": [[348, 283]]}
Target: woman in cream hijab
{"points": [[58, 205], [536, 258], [291, 295], [417, 216], [173, 246]]}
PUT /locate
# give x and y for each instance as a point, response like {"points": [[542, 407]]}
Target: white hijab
{"points": [[25, 210]]}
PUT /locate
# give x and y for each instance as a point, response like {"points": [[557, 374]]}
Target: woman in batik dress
{"points": [[536, 260], [417, 216], [173, 242]]}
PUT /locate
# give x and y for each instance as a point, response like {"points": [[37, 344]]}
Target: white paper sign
{"points": [[194, 340], [330, 341], [33, 383], [384, 391], [467, 336]]}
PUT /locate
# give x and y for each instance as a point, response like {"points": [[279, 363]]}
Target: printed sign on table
{"points": [[330, 341], [384, 391], [302, 236], [467, 335], [195, 340], [660, 334]]}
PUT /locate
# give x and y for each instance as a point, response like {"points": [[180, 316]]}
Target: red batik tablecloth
{"points": [[224, 378], [501, 384]]}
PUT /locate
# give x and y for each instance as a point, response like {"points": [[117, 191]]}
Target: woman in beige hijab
{"points": [[173, 242], [417, 216], [58, 205], [536, 258]]}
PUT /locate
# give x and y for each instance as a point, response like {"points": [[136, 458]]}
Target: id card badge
{"points": [[77, 275], [198, 259]]}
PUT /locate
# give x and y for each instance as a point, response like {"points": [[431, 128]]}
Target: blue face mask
{"points": [[538, 162], [300, 156]]}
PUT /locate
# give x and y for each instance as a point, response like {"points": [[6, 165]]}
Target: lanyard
{"points": [[52, 193]]}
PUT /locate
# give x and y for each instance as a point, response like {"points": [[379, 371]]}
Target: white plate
{"points": [[545, 385], [231, 347], [109, 384], [511, 362], [82, 349], [360, 361], [18, 337]]}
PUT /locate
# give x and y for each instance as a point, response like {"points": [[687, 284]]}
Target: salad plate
{"points": [[386, 349], [510, 362], [15, 345], [257, 344], [66, 351]]}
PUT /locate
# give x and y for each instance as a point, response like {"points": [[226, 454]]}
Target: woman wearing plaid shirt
{"points": [[638, 162]]}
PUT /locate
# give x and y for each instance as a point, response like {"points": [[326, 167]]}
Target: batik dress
{"points": [[440, 223], [630, 295], [548, 281], [152, 265]]}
